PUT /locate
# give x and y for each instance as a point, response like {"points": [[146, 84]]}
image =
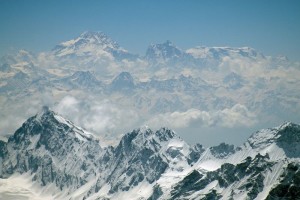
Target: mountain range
{"points": [[223, 87], [59, 160]]}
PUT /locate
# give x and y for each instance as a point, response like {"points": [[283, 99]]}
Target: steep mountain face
{"points": [[165, 53], [82, 80], [61, 155], [279, 142], [95, 44], [124, 81], [85, 40], [45, 145], [289, 186], [289, 140], [247, 172], [242, 181], [222, 150], [66, 162], [143, 156]]}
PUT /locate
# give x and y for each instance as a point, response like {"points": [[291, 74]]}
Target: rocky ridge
{"points": [[69, 162]]}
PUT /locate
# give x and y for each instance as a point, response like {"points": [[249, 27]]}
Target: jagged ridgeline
{"points": [[64, 161]]}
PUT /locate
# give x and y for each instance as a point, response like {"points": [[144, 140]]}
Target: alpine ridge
{"points": [[63, 161], [164, 83]]}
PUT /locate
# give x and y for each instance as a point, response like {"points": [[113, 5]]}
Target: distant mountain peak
{"points": [[163, 51], [82, 76], [90, 34], [166, 43], [88, 41], [124, 76], [92, 44], [98, 37], [217, 53], [123, 81], [233, 80]]}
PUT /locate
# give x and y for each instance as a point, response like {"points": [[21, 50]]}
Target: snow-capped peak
{"points": [[47, 117], [89, 37], [271, 135], [43, 112], [70, 165], [98, 38], [203, 52], [89, 43], [164, 51]]}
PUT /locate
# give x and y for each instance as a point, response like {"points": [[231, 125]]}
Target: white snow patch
{"points": [[22, 188]]}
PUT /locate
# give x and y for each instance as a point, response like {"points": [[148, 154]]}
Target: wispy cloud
{"points": [[100, 117], [238, 115]]}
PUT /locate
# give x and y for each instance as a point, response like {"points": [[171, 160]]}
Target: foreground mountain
{"points": [[64, 161]]}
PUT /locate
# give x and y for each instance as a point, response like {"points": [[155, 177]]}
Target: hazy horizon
{"points": [[270, 27]]}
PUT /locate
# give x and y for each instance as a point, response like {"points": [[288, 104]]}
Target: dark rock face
{"points": [[168, 54], [289, 186], [139, 152], [222, 150], [289, 140], [187, 185], [164, 51], [43, 139], [213, 195], [56, 152], [3, 149], [196, 152], [157, 192], [3, 154], [225, 176]]}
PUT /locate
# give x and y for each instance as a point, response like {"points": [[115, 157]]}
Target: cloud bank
{"points": [[101, 117], [238, 115]]}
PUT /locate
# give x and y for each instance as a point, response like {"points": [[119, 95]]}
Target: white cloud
{"points": [[238, 115], [100, 117], [179, 119]]}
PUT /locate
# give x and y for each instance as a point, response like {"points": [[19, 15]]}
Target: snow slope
{"points": [[49, 157]]}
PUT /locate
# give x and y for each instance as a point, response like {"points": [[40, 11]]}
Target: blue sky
{"points": [[272, 27]]}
